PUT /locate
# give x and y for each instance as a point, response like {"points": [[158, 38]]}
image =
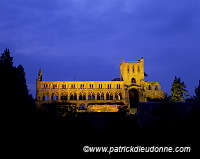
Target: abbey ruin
{"points": [[101, 96]]}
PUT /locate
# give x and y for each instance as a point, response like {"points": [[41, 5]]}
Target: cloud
{"points": [[73, 26]]}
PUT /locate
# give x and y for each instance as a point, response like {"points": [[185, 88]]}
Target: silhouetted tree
{"points": [[178, 90], [6, 77], [21, 81], [6, 60], [196, 97], [14, 97], [197, 92]]}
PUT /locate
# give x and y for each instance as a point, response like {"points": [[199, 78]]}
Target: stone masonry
{"points": [[101, 96]]}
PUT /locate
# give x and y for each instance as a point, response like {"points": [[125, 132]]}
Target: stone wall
{"points": [[103, 95]]}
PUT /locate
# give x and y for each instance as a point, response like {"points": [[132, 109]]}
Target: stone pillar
{"points": [[86, 96]]}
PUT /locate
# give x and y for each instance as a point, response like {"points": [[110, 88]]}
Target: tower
{"points": [[40, 75], [132, 72], [38, 85]]}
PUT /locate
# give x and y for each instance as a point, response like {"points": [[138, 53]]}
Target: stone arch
{"points": [[82, 96], [91, 96], [64, 96], [73, 96], [133, 98], [100, 96], [109, 96], [46, 96], [156, 87], [63, 86], [133, 80], [149, 87], [54, 96], [118, 95]]}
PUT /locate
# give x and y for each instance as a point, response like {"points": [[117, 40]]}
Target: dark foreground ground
{"points": [[44, 136]]}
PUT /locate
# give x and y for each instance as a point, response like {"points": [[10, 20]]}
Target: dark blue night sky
{"points": [[87, 39]]}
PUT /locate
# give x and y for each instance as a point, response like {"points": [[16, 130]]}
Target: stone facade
{"points": [[101, 96]]}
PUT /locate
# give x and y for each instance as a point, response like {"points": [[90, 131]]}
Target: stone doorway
{"points": [[133, 98]]}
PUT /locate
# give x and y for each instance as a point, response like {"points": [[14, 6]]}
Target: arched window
{"points": [[133, 69], [109, 86], [45, 86], [82, 86], [118, 96], [118, 86], [82, 96], [100, 85], [72, 86], [138, 68], [46, 97], [156, 87], [73, 96], [54, 96], [100, 96], [149, 87], [63, 86], [133, 80], [55, 86], [91, 86], [63, 96], [109, 96], [91, 96]]}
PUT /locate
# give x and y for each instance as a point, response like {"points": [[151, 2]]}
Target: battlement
{"points": [[139, 61], [131, 61]]}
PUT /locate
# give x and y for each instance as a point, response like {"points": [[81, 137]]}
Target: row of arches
{"points": [[83, 96]]}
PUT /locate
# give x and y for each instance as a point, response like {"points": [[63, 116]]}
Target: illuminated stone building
{"points": [[101, 96]]}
